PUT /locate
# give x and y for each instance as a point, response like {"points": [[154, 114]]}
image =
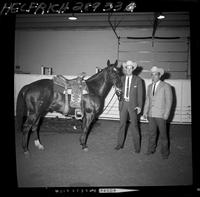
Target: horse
{"points": [[38, 98]]}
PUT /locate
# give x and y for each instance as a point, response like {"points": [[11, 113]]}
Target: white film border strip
{"points": [[116, 190]]}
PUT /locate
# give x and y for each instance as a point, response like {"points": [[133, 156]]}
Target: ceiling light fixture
{"points": [[72, 17], [160, 16]]}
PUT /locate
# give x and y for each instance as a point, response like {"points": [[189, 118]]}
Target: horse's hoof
{"points": [[37, 144], [41, 147], [85, 149]]}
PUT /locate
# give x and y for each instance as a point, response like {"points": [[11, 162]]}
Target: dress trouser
{"points": [[126, 112], [159, 123]]}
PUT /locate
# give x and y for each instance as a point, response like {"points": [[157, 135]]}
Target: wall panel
{"points": [[67, 52], [172, 55]]}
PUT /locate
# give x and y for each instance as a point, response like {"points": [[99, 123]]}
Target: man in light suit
{"points": [[131, 105], [157, 109]]}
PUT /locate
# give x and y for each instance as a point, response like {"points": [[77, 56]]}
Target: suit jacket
{"points": [[160, 104], [136, 92]]}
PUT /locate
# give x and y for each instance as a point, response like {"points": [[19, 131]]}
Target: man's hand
{"points": [[144, 116], [119, 94], [165, 117], [138, 109]]}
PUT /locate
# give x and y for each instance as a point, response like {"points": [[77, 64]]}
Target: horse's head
{"points": [[115, 78]]}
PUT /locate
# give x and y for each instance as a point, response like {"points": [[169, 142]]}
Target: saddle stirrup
{"points": [[78, 114]]}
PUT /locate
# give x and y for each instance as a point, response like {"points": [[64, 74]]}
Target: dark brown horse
{"points": [[35, 100]]}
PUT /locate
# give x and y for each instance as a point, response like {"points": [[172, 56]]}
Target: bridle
{"points": [[118, 91]]}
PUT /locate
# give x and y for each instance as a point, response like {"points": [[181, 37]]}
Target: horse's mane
{"points": [[96, 75], [96, 81]]}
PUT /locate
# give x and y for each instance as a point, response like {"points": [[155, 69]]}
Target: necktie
{"points": [[127, 88], [154, 86]]}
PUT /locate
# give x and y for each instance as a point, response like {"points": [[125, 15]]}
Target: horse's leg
{"points": [[35, 128], [83, 135], [87, 120], [26, 132], [25, 137]]}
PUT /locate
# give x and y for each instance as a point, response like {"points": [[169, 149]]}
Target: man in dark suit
{"points": [[157, 109], [131, 105]]}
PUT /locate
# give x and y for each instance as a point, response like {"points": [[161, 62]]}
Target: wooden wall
{"points": [[171, 54], [67, 52]]}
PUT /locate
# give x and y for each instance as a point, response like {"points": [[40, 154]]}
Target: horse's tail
{"points": [[20, 110]]}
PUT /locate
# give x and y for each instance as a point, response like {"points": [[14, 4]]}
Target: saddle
{"points": [[73, 89]]}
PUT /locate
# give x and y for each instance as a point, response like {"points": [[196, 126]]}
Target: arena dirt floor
{"points": [[64, 164]]}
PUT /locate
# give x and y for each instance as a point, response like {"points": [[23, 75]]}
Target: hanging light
{"points": [[72, 17], [160, 16]]}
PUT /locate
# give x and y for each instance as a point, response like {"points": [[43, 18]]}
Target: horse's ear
{"points": [[116, 63], [108, 63]]}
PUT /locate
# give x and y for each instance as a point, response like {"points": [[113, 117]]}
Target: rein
{"points": [[109, 101]]}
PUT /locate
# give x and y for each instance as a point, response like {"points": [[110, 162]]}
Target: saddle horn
{"points": [[98, 69]]}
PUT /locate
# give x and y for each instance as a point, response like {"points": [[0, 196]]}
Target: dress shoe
{"points": [[118, 147]]}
